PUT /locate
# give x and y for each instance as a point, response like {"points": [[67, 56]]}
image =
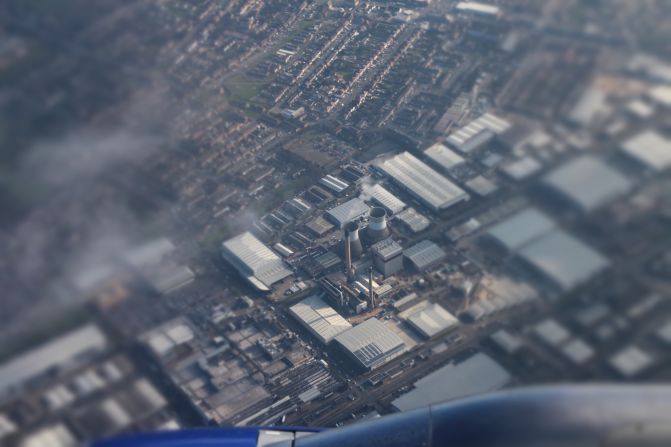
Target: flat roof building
{"points": [[387, 256], [428, 186], [429, 319], [424, 254], [650, 149], [257, 263], [477, 8], [371, 344], [478, 132], [563, 259], [587, 182], [334, 183], [521, 228], [348, 211], [319, 318], [382, 197], [443, 157], [413, 220]]}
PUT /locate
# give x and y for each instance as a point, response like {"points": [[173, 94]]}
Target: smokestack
{"points": [[348, 257], [356, 249], [377, 224], [370, 288]]}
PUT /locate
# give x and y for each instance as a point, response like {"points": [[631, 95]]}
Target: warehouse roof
{"points": [[521, 228], [255, 261], [351, 210], [424, 254], [414, 220], [429, 319], [334, 183], [477, 133], [475, 375], [650, 149], [563, 259], [444, 157], [427, 185], [381, 196], [319, 318], [587, 182], [371, 343]]}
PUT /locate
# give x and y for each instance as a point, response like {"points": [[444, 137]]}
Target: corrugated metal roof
{"points": [[424, 254], [430, 319], [427, 185], [348, 211], [371, 343], [477, 132], [319, 318], [384, 198], [256, 262], [414, 220], [443, 156], [588, 182]]}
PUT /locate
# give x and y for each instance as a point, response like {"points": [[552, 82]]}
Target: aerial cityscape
{"points": [[309, 214]]}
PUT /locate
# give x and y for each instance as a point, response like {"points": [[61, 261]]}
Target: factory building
{"points": [[650, 149], [428, 186], [444, 158], [424, 255], [351, 210], [429, 319], [478, 9], [382, 197], [587, 183], [477, 133], [257, 263], [413, 220], [334, 184], [371, 344], [319, 318], [387, 257], [558, 257]]}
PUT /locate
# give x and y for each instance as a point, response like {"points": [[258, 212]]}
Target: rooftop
{"points": [[430, 319], [319, 318], [477, 132], [353, 209], [587, 182], [387, 249], [427, 185], [650, 148], [371, 343], [521, 228], [424, 254], [381, 196], [255, 261], [443, 157]]}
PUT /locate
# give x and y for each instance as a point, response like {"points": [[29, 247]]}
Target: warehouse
{"points": [[477, 133], [425, 184], [353, 209], [319, 318], [424, 255], [429, 319], [256, 263], [382, 197], [563, 259], [521, 228], [650, 149], [587, 183], [443, 158], [371, 344]]}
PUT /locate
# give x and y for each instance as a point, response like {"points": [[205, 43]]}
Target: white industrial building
{"points": [[478, 9], [371, 344], [424, 255], [650, 149], [477, 133], [382, 197], [587, 182], [387, 256], [257, 263], [319, 318], [334, 183], [521, 228], [428, 186], [443, 157], [353, 209], [429, 319]]}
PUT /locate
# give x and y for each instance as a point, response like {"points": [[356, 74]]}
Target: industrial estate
{"points": [[371, 207]]}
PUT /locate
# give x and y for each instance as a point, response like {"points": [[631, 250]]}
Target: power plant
{"points": [[377, 225]]}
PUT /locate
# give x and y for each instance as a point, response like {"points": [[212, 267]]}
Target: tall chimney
{"points": [[355, 247], [348, 257], [377, 224], [370, 289]]}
